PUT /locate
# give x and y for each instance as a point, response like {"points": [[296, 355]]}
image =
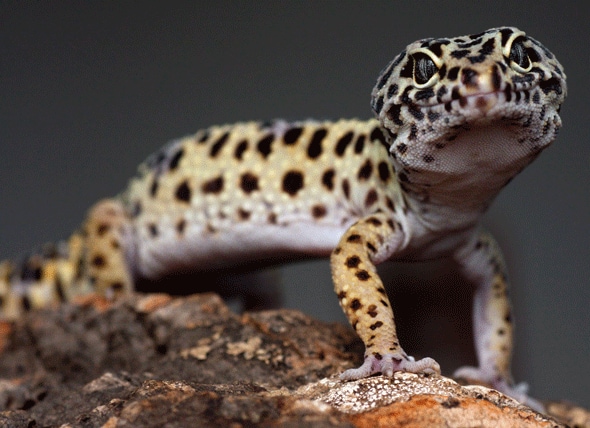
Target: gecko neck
{"points": [[460, 184]]}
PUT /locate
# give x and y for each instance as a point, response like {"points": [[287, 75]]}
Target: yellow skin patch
{"points": [[456, 120]]}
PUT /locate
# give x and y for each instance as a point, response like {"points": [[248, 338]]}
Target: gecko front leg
{"points": [[482, 262], [364, 300]]}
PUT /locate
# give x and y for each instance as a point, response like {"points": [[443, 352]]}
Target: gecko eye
{"points": [[519, 58], [425, 70]]}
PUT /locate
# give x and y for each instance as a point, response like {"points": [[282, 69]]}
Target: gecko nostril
{"points": [[469, 77]]}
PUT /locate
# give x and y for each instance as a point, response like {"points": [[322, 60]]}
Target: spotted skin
{"points": [[456, 120]]}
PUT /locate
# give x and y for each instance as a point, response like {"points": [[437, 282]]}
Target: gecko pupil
{"points": [[518, 54], [424, 68]]}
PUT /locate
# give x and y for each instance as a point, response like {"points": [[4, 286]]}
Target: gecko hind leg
{"points": [[105, 256]]}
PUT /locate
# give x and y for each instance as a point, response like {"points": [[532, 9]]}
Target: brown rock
{"points": [[152, 360]]}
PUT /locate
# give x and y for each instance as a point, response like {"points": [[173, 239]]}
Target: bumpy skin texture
{"points": [[457, 119]]}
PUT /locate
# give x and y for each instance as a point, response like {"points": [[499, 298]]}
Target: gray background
{"points": [[89, 90]]}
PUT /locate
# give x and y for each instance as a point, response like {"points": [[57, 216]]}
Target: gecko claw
{"points": [[390, 363], [518, 391]]}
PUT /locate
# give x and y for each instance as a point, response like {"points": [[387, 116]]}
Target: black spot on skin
{"points": [[365, 170], [371, 247], [175, 160], [26, 303], [218, 145], [389, 204], [377, 134], [374, 221], [115, 244], [534, 56], [383, 169], [453, 73], [343, 143], [442, 72], [328, 179], [488, 47], [215, 185], [436, 48], [398, 59], [550, 85], [355, 305], [377, 104], [337, 250], [413, 132], [154, 187], [240, 149], [292, 135], [401, 148], [363, 275], [424, 94], [496, 78], [243, 214], [102, 228], [393, 114], [117, 287], [183, 192], [360, 144], [372, 311], [353, 261], [415, 111], [318, 211], [180, 226], [153, 230], [384, 303], [508, 93], [460, 53], [249, 183], [292, 182], [137, 209], [433, 116], [385, 76], [376, 325], [342, 295], [264, 146], [392, 90], [30, 272], [346, 188], [315, 146], [428, 158], [204, 137], [371, 198], [272, 218], [354, 238]]}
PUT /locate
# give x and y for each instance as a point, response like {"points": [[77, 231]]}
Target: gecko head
{"points": [[499, 87]]}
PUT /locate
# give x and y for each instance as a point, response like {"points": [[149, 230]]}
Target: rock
{"points": [[153, 360]]}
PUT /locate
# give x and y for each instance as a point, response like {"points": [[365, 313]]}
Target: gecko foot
{"points": [[518, 391], [389, 363]]}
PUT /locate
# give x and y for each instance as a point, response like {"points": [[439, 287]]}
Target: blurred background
{"points": [[89, 89]]}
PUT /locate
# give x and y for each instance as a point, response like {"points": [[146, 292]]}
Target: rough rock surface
{"points": [[152, 360]]}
